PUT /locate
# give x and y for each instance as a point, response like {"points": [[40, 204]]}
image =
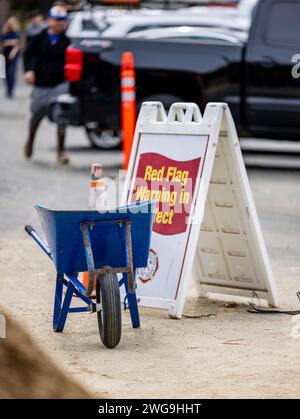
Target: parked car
{"points": [[253, 77], [243, 8], [120, 23], [190, 32]]}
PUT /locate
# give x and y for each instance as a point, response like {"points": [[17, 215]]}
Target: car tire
{"points": [[103, 139], [107, 139]]}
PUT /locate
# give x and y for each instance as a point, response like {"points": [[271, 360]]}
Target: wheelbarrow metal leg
{"points": [[129, 258], [129, 279], [132, 303], [58, 299], [65, 308], [80, 289]]}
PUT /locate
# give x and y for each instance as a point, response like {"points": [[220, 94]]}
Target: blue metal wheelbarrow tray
{"points": [[104, 244]]}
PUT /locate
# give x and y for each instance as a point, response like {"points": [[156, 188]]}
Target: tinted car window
{"points": [[88, 25], [283, 24]]}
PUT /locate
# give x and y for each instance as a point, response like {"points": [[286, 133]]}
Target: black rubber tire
{"points": [[110, 318], [96, 135]]}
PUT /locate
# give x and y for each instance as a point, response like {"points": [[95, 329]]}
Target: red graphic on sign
{"points": [[147, 274], [171, 183]]}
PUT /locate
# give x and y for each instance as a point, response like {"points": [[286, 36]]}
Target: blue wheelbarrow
{"points": [[104, 244]]}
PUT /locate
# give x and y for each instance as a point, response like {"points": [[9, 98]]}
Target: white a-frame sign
{"points": [[205, 222]]}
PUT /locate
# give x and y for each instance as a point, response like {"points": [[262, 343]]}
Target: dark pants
{"points": [[11, 69], [42, 98]]}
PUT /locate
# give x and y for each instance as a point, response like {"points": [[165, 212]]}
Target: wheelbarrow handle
{"points": [[37, 238], [29, 229]]}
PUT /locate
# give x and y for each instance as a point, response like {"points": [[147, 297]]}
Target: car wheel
{"points": [[103, 139]]}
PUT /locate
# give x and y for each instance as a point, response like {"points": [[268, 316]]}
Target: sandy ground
{"points": [[223, 352], [226, 353]]}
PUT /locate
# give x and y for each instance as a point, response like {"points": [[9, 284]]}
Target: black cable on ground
{"points": [[253, 309]]}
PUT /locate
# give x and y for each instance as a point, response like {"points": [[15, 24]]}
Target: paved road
{"points": [[41, 180]]}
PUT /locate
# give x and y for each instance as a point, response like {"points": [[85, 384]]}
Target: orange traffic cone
{"points": [[85, 281], [128, 104]]}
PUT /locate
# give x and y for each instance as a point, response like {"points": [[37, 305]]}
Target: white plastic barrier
{"points": [[206, 225]]}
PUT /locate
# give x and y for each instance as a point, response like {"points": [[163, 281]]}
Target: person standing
{"points": [[44, 60], [37, 24], [10, 48]]}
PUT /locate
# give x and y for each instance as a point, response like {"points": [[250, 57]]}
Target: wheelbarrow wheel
{"points": [[109, 317]]}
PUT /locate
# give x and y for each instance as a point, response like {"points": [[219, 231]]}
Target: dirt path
{"points": [[226, 353]]}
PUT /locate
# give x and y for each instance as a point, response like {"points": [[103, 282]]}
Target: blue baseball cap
{"points": [[58, 13]]}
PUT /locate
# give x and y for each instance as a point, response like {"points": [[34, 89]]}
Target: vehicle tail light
{"points": [[74, 65]]}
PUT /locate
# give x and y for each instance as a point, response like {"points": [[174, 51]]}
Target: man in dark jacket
{"points": [[37, 24], [44, 60]]}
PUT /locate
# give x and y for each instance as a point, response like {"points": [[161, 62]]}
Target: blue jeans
{"points": [[11, 69]]}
